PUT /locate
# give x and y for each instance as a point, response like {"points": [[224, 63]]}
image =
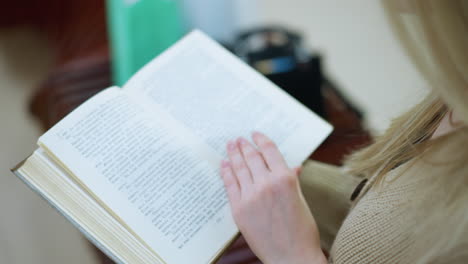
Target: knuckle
{"points": [[239, 166], [268, 145], [251, 154]]}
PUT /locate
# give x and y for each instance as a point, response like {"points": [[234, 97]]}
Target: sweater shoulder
{"points": [[410, 217]]}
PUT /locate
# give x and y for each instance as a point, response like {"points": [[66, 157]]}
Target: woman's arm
{"points": [[268, 205]]}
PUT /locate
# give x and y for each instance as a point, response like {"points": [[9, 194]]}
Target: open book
{"points": [[136, 169]]}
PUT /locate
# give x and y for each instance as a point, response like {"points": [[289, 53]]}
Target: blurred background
{"points": [[337, 57]]}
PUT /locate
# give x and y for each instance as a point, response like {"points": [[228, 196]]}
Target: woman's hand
{"points": [[267, 203]]}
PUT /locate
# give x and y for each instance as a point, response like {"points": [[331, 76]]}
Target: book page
{"points": [[157, 178], [219, 98]]}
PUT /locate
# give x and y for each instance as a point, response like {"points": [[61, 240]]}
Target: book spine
{"points": [[83, 230]]}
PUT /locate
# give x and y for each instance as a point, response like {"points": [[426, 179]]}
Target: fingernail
{"points": [[256, 134], [242, 141], [231, 145]]}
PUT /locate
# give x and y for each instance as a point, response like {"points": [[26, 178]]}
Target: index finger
{"points": [[271, 154]]}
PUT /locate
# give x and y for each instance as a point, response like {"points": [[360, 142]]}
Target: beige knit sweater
{"points": [[407, 219]]}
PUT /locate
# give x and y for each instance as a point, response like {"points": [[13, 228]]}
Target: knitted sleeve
{"points": [[327, 191]]}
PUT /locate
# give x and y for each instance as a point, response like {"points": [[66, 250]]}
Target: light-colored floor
{"points": [[30, 230], [359, 52]]}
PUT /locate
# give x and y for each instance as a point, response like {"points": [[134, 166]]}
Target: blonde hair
{"points": [[435, 35]]}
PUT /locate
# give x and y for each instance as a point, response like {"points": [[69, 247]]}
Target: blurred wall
{"points": [[361, 53]]}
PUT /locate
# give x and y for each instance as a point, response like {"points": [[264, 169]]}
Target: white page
{"points": [[158, 179], [218, 97]]}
